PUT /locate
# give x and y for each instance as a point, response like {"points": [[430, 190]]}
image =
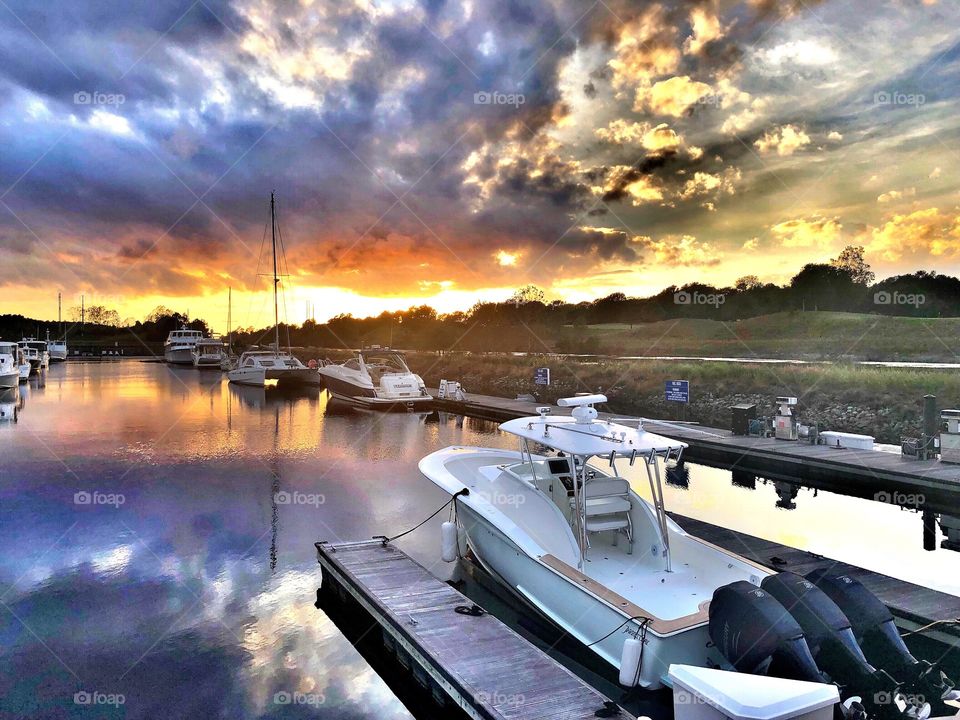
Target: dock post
{"points": [[930, 426], [929, 531]]}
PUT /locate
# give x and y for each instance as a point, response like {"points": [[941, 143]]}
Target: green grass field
{"points": [[794, 335]]}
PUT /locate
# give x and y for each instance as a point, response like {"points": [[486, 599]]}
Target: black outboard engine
{"points": [[873, 626], [834, 647], [756, 635]]}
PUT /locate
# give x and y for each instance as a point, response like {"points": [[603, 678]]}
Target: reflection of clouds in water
{"points": [[206, 646], [295, 647]]}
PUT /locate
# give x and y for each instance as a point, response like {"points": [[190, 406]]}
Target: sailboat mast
{"points": [[276, 278], [229, 319]]}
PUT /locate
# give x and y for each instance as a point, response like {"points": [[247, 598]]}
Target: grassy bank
{"points": [[883, 402], [793, 335]]}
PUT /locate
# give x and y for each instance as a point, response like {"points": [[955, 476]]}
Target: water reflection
{"points": [[158, 527]]}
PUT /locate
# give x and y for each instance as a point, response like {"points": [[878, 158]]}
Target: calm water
{"points": [[144, 555]]}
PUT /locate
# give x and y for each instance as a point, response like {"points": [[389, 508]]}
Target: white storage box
{"points": [[849, 441], [705, 694]]}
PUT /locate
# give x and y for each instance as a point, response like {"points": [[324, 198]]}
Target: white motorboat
{"points": [[208, 353], [376, 376], [569, 536], [57, 349], [23, 365], [179, 346], [9, 365], [257, 367], [32, 357], [40, 358]]}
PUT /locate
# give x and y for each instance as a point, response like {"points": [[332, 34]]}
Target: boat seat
{"points": [[605, 505]]}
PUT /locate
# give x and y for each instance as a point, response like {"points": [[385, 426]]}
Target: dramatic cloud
{"points": [[468, 148]]}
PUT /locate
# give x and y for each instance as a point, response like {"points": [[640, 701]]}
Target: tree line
{"points": [[846, 283]]}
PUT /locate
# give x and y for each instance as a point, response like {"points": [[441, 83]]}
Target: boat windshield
{"points": [[385, 361]]}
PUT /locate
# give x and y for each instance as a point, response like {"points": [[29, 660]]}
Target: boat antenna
{"points": [[276, 278]]}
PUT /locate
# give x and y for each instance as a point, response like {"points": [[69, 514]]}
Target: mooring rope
{"points": [[386, 540]]}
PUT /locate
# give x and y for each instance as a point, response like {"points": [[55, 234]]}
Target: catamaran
{"points": [[567, 534], [256, 367]]}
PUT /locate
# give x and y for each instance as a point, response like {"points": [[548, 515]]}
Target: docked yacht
{"points": [[178, 349], [37, 353], [567, 534], [208, 353], [256, 367], [376, 376], [33, 358], [23, 364], [57, 349], [9, 365]]}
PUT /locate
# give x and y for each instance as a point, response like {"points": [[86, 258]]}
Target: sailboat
{"points": [[256, 367]]}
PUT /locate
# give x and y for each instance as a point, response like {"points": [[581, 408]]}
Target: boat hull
{"points": [[58, 353], [255, 376], [576, 611], [10, 379], [207, 362], [178, 356]]}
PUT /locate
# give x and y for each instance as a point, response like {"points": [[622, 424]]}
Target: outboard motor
{"points": [[834, 647], [873, 626], [757, 635]]}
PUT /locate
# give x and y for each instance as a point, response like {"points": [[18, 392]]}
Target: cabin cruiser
{"points": [[256, 367], [9, 365], [23, 364], [208, 353], [568, 535], [40, 359], [178, 349], [57, 349], [376, 376], [33, 358]]}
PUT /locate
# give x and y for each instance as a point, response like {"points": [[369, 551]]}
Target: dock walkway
{"points": [[483, 666], [859, 473]]}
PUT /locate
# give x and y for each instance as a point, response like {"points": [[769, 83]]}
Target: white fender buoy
{"points": [[448, 541], [630, 662]]}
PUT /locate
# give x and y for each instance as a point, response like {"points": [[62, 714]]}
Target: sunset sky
{"points": [[445, 152]]}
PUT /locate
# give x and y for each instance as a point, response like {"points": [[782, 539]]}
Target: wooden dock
{"points": [[479, 664], [859, 473]]}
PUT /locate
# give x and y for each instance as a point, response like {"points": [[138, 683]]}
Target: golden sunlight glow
{"points": [[505, 259]]}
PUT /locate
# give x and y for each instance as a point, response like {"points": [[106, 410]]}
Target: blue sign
{"points": [[541, 376], [678, 390]]}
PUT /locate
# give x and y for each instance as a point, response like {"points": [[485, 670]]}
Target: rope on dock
{"points": [[387, 540], [930, 625]]}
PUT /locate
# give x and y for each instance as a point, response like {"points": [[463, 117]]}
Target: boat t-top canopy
{"points": [[585, 435]]}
